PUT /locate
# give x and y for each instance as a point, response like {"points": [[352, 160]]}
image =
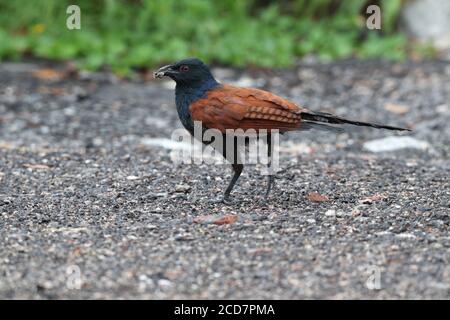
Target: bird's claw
{"points": [[270, 184], [227, 201], [223, 200]]}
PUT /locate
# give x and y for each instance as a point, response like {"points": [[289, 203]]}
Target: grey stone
{"points": [[395, 143], [428, 20]]}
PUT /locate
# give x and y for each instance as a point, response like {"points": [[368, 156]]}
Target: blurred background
{"points": [[126, 34]]}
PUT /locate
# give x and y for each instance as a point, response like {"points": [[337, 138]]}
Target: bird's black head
{"points": [[191, 71]]}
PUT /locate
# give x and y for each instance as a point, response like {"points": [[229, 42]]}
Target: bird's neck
{"points": [[186, 94]]}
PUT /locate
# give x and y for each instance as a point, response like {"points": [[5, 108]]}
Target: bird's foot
{"points": [[270, 183], [283, 171], [228, 201], [223, 200]]}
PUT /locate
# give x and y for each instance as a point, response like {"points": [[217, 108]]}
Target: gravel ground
{"points": [[92, 206]]}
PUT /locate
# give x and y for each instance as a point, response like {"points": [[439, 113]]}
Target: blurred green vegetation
{"points": [[143, 33]]}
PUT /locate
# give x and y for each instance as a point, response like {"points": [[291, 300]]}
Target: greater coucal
{"points": [[199, 97]]}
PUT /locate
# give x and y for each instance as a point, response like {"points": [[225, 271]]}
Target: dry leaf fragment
{"points": [[317, 197], [374, 198], [47, 74], [215, 219], [228, 219], [396, 108], [56, 91], [36, 166], [260, 250]]}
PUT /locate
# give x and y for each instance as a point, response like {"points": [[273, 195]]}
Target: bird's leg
{"points": [[237, 168], [271, 177], [231, 153]]}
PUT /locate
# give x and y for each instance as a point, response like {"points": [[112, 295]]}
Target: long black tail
{"points": [[323, 117]]}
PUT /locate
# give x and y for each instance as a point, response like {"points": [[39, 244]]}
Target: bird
{"points": [[200, 97]]}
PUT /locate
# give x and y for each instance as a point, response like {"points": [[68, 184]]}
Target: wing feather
{"points": [[229, 107]]}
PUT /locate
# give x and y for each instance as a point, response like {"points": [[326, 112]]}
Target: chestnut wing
{"points": [[229, 107]]}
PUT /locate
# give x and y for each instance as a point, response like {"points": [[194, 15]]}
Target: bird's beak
{"points": [[164, 71]]}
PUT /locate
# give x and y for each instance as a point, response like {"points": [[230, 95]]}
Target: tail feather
{"points": [[307, 125], [323, 117]]}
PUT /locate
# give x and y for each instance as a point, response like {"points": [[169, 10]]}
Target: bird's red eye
{"points": [[184, 68]]}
